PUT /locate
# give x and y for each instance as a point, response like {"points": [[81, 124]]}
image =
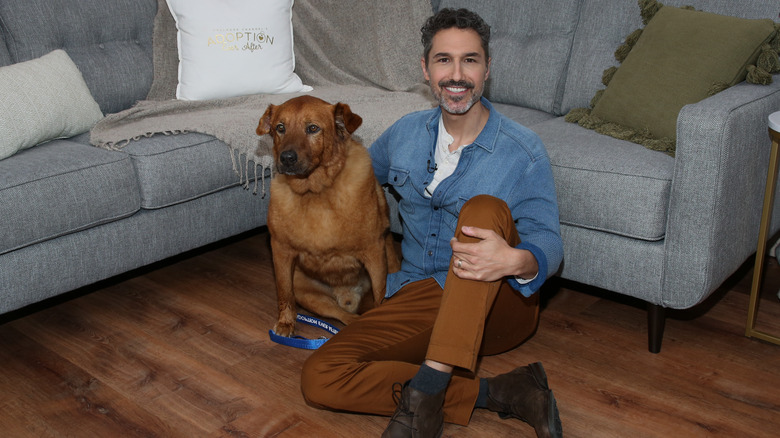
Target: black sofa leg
{"points": [[656, 317]]}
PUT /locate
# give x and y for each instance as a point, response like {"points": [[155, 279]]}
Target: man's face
{"points": [[456, 69]]}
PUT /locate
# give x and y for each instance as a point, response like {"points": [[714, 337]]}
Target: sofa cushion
{"points": [[530, 45], [234, 48], [62, 187], [522, 115], [177, 168], [378, 46], [607, 184], [109, 40], [658, 77], [43, 99]]}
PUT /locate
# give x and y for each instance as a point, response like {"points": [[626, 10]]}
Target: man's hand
{"points": [[491, 258]]}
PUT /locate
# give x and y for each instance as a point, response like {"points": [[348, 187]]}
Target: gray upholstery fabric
{"points": [[178, 168], [631, 267], [354, 42], [76, 259], [607, 184], [114, 57], [5, 57], [522, 115], [530, 43], [62, 187], [604, 25], [715, 200]]}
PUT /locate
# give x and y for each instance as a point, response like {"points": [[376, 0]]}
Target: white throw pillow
{"points": [[43, 99], [232, 48]]}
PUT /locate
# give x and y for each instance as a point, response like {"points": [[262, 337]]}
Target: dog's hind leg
{"points": [[321, 299]]}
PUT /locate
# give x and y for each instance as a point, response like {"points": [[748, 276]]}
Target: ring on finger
{"points": [[460, 264]]}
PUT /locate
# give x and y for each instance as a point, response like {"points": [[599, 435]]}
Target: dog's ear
{"points": [[264, 126], [346, 119]]}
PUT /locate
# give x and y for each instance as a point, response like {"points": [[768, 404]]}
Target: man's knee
{"points": [[485, 211]]}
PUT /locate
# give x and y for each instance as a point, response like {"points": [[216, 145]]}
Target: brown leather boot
{"points": [[523, 394], [417, 415]]}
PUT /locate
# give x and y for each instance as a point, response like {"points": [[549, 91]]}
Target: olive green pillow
{"points": [[681, 57]]}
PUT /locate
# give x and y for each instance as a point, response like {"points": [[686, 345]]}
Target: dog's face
{"points": [[307, 133]]}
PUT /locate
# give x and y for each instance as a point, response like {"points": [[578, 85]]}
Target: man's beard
{"points": [[457, 105]]}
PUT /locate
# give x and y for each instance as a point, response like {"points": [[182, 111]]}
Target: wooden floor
{"points": [[182, 350]]}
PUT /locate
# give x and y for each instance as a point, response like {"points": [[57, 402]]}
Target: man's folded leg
{"points": [[359, 367]]}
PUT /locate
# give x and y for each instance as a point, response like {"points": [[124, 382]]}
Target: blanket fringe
{"points": [[241, 164]]}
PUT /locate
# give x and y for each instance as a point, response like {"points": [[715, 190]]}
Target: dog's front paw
{"points": [[286, 329]]}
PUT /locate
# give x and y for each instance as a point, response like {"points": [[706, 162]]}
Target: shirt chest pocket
{"points": [[402, 183]]}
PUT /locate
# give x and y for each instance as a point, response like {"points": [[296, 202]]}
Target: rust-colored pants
{"points": [[356, 369]]}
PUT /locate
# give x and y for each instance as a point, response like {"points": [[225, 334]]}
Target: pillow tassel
{"points": [[716, 88], [757, 75], [648, 8], [624, 49], [589, 121], [606, 77], [576, 114], [768, 59], [615, 130], [665, 145], [775, 43]]}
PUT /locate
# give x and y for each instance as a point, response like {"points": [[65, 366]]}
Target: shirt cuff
{"points": [[529, 287]]}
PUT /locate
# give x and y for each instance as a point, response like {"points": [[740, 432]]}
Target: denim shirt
{"points": [[507, 161]]}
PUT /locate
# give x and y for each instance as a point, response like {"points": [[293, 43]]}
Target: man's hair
{"points": [[462, 19]]}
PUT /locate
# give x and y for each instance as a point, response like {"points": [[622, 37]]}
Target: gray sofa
{"points": [[667, 230]]}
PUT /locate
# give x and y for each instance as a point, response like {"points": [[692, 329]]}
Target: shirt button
{"points": [[430, 253]]}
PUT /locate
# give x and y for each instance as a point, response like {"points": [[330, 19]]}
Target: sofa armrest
{"points": [[717, 190]]}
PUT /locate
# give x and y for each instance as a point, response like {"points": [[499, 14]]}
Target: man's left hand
{"points": [[490, 258]]}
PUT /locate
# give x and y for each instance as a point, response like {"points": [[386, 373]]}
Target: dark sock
{"points": [[429, 380], [482, 398]]}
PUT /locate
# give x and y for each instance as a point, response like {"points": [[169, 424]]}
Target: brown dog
{"points": [[328, 217]]}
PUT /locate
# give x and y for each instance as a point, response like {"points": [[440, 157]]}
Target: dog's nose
{"points": [[288, 158]]}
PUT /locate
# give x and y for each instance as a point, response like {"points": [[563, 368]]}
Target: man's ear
{"points": [[345, 119], [264, 125], [424, 66]]}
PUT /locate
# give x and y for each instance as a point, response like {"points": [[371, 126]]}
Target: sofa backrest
{"points": [[604, 25], [5, 57], [358, 42], [530, 45], [109, 40]]}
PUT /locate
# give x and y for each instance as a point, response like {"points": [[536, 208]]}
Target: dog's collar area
{"points": [[300, 341]]}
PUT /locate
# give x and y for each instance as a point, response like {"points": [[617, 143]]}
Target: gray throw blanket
{"points": [[231, 120], [234, 121]]}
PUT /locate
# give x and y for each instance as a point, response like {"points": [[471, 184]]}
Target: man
{"points": [[480, 222]]}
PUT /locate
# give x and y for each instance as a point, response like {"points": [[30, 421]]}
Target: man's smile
{"points": [[456, 89]]}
